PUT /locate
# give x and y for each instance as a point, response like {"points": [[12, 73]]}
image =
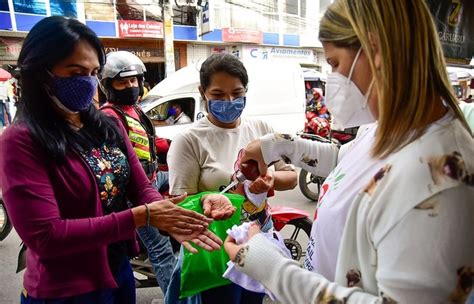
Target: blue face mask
{"points": [[76, 92], [227, 111], [171, 112]]}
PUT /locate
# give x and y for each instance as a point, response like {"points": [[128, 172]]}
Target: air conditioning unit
{"points": [[186, 2]]}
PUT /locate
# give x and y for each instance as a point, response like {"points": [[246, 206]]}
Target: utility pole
{"points": [[170, 66]]}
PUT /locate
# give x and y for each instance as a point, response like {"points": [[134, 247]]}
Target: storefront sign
{"points": [[269, 53], [10, 48], [233, 50], [242, 35], [455, 23], [140, 29], [207, 17], [143, 54]]}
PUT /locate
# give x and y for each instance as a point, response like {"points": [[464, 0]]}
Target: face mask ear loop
{"points": [[367, 94], [354, 64], [206, 100]]}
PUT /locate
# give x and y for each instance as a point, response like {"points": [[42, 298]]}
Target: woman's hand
{"points": [[235, 251], [217, 206], [253, 151], [204, 239], [263, 183], [166, 216]]}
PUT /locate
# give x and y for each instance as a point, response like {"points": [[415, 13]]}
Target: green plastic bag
{"points": [[204, 270]]}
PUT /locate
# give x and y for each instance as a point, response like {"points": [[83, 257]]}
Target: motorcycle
{"points": [[5, 223], [308, 182], [293, 219]]}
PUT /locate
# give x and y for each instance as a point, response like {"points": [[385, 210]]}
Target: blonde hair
{"points": [[413, 71]]}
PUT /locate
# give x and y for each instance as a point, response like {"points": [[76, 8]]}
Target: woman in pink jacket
{"points": [[67, 176]]}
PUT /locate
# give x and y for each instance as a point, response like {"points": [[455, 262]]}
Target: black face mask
{"points": [[128, 96]]}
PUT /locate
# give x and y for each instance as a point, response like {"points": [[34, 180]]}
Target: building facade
{"points": [[251, 30]]}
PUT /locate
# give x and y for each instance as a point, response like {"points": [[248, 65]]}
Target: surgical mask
{"points": [[345, 101], [75, 92], [227, 111], [171, 112], [128, 96]]}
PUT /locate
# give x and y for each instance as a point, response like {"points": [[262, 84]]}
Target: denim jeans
{"points": [[158, 246], [124, 294], [173, 292], [470, 298], [160, 254], [162, 178]]}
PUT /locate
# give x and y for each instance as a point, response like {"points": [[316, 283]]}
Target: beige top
{"points": [[202, 157]]}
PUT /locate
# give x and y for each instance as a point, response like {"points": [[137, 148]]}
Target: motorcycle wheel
{"points": [[297, 245], [5, 224], [310, 184]]}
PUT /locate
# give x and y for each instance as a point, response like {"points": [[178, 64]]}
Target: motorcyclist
{"points": [[318, 105], [122, 81], [317, 116]]}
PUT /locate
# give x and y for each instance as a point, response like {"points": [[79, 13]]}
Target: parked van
{"points": [[276, 94]]}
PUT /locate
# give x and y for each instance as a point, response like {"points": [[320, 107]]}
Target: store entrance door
{"points": [[155, 72]]}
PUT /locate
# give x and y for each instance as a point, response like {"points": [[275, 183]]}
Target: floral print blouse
{"points": [[112, 173], [408, 237]]}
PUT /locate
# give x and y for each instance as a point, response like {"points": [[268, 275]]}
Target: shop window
{"points": [[102, 10], [4, 5], [270, 23], [292, 24], [63, 8], [30, 7], [291, 7], [160, 113], [185, 15], [129, 10], [303, 8]]}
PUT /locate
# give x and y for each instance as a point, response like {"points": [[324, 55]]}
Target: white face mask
{"points": [[345, 101]]}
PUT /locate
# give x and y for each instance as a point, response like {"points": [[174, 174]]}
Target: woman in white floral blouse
{"points": [[408, 236]]}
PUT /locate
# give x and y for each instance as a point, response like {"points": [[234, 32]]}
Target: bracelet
{"points": [[147, 215]]}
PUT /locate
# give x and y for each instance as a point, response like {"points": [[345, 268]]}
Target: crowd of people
{"points": [[394, 219]]}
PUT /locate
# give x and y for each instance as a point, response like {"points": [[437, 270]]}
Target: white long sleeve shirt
{"points": [[409, 232]]}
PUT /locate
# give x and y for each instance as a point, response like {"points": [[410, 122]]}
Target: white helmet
{"points": [[121, 64]]}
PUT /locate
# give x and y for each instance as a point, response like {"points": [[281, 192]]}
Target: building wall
{"points": [[237, 26]]}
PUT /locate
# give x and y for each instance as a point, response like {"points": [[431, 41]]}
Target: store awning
{"points": [[312, 74], [460, 74]]}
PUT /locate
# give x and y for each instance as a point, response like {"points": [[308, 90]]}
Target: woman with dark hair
{"points": [[202, 157], [67, 177]]}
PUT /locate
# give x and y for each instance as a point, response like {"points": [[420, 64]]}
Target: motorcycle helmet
{"points": [[121, 64], [317, 93]]}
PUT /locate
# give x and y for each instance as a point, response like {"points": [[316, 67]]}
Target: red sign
{"points": [[140, 29], [241, 35]]}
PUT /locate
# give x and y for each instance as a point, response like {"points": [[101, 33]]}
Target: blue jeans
{"points": [[173, 292], [4, 114], [124, 294], [160, 254], [158, 246], [162, 178]]}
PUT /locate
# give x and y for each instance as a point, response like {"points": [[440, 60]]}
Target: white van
{"points": [[275, 94]]}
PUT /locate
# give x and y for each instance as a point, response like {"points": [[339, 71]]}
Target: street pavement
{"points": [[11, 283]]}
